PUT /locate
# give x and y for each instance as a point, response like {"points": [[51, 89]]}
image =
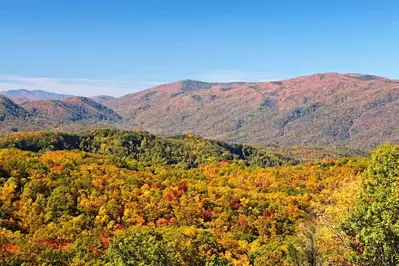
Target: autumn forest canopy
{"points": [[113, 197], [199, 133]]}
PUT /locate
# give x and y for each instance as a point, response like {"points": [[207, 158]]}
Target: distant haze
{"points": [[22, 95]]}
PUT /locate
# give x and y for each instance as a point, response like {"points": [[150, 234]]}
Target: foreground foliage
{"points": [[374, 226], [118, 206]]}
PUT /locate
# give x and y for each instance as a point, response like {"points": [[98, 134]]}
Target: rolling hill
{"points": [[72, 110], [189, 150], [13, 117], [73, 114]]}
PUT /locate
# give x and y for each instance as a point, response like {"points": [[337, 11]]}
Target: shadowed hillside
{"points": [[10, 110], [72, 110], [72, 114]]}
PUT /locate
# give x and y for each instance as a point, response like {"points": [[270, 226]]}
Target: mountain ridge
{"points": [[320, 109], [73, 114], [354, 110], [71, 109], [22, 95]]}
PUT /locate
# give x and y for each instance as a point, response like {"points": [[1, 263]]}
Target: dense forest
{"points": [[110, 197]]}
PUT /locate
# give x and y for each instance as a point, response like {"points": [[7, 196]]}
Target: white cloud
{"points": [[74, 86]]}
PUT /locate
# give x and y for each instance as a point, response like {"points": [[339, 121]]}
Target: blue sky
{"points": [[116, 47]]}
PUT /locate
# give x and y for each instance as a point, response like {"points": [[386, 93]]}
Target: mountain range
{"points": [[329, 109], [21, 95]]}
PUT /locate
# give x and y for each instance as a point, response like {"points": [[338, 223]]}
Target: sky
{"points": [[86, 47]]}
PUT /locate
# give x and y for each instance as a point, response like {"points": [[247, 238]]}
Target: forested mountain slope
{"points": [[74, 109], [354, 110], [10, 110]]}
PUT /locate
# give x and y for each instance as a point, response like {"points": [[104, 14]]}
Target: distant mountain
{"points": [[359, 111], [102, 98], [74, 109], [21, 95]]}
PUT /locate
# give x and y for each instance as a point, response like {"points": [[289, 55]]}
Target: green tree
{"points": [[139, 248], [374, 226]]}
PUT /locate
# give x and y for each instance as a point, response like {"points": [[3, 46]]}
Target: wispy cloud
{"points": [[234, 75], [75, 86], [395, 23]]}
